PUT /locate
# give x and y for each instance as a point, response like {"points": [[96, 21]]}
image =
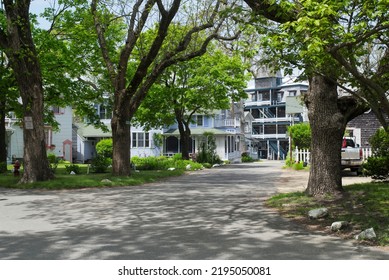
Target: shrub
{"points": [[207, 149], [163, 163], [147, 163], [378, 165], [301, 135], [100, 164], [73, 168], [182, 164], [105, 148], [246, 158], [289, 162], [207, 165], [177, 157], [298, 166], [380, 143], [53, 162], [3, 167]]}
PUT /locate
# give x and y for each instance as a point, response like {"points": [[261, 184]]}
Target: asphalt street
{"points": [[209, 214]]}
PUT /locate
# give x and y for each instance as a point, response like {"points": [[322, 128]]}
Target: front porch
{"points": [[228, 145]]}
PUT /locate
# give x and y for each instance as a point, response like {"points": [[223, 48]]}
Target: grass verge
{"points": [[91, 180], [362, 205]]}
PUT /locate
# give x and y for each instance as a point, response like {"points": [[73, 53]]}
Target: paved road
{"points": [[210, 214]]}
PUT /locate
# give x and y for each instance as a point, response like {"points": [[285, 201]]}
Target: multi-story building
{"points": [[267, 103], [229, 128]]}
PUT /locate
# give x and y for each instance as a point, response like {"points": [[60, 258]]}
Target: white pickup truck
{"points": [[352, 155]]}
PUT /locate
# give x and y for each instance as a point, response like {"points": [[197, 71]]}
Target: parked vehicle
{"points": [[352, 155]]}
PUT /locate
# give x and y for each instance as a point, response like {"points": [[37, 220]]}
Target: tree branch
{"points": [[132, 37], [103, 43], [55, 16], [142, 70], [360, 39], [271, 10]]}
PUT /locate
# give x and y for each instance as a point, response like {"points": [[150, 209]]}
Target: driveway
{"points": [[209, 214]]}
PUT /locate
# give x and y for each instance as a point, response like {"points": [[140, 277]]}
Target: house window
{"points": [[247, 127], [57, 110], [200, 120], [104, 113], [147, 139], [279, 96], [48, 136], [292, 93], [230, 144], [140, 139]]}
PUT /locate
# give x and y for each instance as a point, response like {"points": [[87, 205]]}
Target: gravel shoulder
{"points": [[293, 181]]}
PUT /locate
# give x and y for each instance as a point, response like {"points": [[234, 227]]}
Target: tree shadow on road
{"points": [[206, 215]]}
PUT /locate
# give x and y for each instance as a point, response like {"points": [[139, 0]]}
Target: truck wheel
{"points": [[354, 170], [357, 170]]}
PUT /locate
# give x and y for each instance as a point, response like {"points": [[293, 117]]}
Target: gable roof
{"points": [[89, 131]]}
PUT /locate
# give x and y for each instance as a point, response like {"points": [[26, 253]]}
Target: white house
{"points": [[57, 142], [87, 136], [229, 127]]}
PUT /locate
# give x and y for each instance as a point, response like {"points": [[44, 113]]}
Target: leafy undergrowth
{"points": [[362, 205]]}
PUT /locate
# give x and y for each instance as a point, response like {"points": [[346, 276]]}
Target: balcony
{"points": [[269, 136], [276, 120], [227, 123], [257, 103]]}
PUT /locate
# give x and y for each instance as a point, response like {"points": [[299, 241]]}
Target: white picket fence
{"points": [[303, 155]]}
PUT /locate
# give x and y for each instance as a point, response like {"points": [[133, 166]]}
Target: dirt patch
{"points": [[339, 207]]}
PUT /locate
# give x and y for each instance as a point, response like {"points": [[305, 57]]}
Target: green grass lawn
{"points": [[84, 180], [362, 205]]}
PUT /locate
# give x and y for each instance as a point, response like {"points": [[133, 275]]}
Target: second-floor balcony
{"points": [[269, 136], [227, 122], [251, 103], [277, 120], [262, 103]]}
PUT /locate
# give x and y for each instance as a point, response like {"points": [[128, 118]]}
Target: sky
{"points": [[37, 7]]}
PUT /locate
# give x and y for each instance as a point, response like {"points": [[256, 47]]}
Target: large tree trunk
{"points": [[120, 138], [24, 61], [184, 142], [327, 125], [36, 165], [185, 132]]}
